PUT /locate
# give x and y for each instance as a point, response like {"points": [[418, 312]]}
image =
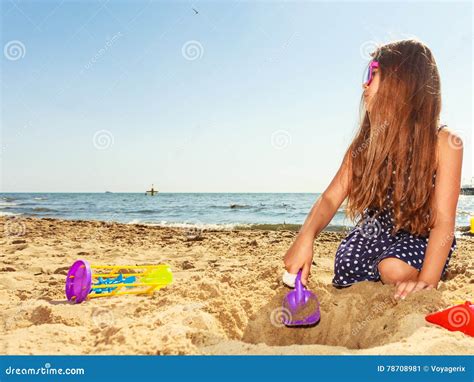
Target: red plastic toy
{"points": [[457, 318]]}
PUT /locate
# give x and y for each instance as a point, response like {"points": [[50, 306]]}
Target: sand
{"points": [[225, 299]]}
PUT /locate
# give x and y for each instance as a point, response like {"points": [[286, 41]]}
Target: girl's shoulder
{"points": [[450, 146], [448, 137]]}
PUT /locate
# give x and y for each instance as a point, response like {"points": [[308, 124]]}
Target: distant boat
{"points": [[151, 192], [108, 192]]}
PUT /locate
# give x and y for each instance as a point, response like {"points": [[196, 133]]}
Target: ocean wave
{"points": [[239, 206], [262, 206], [464, 212], [2, 213], [43, 209], [270, 226], [8, 198], [228, 207], [290, 227], [236, 226], [190, 225], [219, 206], [41, 198], [7, 204]]}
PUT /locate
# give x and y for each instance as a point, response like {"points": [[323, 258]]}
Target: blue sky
{"points": [[241, 97]]}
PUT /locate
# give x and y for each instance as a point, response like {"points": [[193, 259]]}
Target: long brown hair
{"points": [[395, 146]]}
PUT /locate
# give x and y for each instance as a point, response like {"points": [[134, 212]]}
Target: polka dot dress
{"points": [[368, 243]]}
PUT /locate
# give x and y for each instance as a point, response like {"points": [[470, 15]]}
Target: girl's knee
{"points": [[393, 270]]}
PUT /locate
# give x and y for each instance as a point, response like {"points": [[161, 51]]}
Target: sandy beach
{"points": [[227, 285]]}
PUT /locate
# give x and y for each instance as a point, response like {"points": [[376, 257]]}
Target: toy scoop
{"points": [[302, 305], [456, 318]]}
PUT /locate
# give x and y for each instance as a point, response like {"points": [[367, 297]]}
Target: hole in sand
{"points": [[359, 317]]}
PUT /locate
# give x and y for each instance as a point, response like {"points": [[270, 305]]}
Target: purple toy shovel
{"points": [[301, 306]]}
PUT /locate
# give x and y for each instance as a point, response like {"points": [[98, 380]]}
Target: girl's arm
{"points": [[328, 203], [447, 189], [300, 254]]}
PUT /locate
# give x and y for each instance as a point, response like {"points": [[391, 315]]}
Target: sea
{"points": [[204, 210]]}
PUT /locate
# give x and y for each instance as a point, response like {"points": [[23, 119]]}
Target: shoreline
{"points": [[227, 285], [459, 230]]}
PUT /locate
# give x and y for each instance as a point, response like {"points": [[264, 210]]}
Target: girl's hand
{"points": [[300, 256], [404, 288]]}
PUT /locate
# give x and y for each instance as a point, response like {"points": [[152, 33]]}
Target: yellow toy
{"points": [[91, 281]]}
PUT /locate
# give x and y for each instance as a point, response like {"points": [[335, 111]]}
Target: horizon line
{"points": [[160, 192]]}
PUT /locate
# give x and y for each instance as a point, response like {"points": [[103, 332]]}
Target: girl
{"points": [[401, 176]]}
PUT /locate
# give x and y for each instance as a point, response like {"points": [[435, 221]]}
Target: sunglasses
{"points": [[369, 72]]}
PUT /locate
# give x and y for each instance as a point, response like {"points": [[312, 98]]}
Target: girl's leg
{"points": [[392, 270]]}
